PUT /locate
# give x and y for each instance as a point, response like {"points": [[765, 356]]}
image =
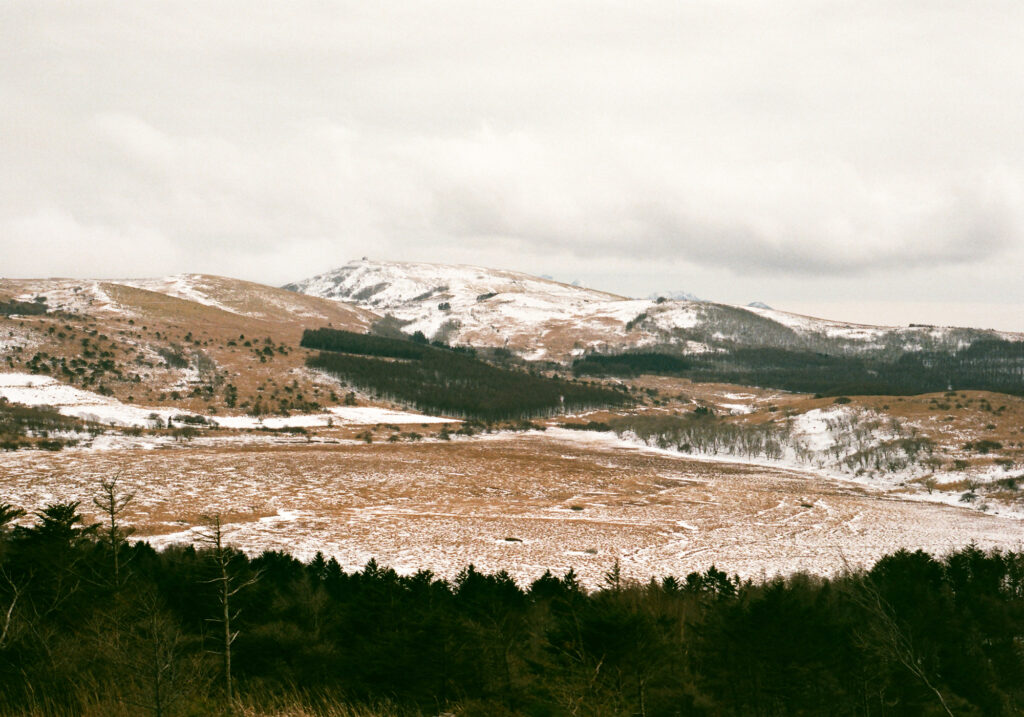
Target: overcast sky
{"points": [[857, 159]]}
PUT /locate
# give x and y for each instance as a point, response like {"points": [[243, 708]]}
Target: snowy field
{"points": [[521, 502], [33, 390]]}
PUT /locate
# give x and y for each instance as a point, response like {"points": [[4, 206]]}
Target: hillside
{"points": [[452, 382], [191, 342], [228, 348], [97, 374], [537, 318], [542, 319]]}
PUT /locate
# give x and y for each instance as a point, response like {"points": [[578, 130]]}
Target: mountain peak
{"points": [[391, 284]]}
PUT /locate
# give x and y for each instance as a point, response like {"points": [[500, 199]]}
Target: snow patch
{"points": [[33, 390], [335, 416]]}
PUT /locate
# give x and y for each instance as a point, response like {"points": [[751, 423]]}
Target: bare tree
{"points": [[151, 664], [886, 636], [229, 582], [8, 514], [162, 671], [13, 595], [113, 501]]}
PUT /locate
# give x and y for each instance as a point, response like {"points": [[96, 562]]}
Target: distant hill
{"points": [[543, 319], [209, 343], [191, 341]]}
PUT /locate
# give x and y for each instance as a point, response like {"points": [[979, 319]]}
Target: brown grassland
{"points": [[521, 502]]}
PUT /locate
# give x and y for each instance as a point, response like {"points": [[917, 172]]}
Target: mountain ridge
{"points": [[540, 319]]}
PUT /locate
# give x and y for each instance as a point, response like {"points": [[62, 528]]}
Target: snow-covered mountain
{"points": [[544, 319], [386, 285], [538, 318]]}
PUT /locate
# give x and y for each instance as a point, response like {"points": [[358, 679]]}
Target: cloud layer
{"points": [[783, 146]]}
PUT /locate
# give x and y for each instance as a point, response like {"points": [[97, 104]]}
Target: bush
{"points": [[983, 446]]}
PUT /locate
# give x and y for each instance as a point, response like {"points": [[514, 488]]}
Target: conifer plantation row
{"points": [[91, 624], [984, 365], [448, 381], [632, 363]]}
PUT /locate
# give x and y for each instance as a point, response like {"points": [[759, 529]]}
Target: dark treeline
{"points": [[450, 382], [989, 365], [363, 344], [23, 308], [630, 364], [730, 327], [93, 625], [33, 426], [985, 365]]}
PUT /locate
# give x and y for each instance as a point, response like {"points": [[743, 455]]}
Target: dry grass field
{"points": [[955, 421], [521, 502], [226, 332]]}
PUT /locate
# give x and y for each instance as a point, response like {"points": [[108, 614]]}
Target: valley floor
{"points": [[524, 502]]}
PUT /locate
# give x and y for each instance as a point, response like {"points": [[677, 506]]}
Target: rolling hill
{"points": [[540, 319], [192, 342]]}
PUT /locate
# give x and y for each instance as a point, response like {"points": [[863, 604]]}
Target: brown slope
{"points": [[124, 340]]}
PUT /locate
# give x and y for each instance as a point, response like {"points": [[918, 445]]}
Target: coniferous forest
{"points": [[632, 363], [92, 624], [449, 381], [984, 365]]}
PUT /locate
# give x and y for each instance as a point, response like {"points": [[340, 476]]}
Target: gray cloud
{"points": [[808, 221], [668, 143]]}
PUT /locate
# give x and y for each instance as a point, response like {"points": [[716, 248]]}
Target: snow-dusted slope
{"points": [[246, 298], [32, 390], [908, 337], [485, 307], [234, 296], [538, 318], [389, 285], [179, 341]]}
